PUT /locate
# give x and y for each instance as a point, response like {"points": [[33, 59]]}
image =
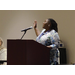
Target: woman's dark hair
{"points": [[53, 24]]}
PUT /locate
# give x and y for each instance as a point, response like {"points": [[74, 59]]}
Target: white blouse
{"points": [[50, 38], [3, 55]]}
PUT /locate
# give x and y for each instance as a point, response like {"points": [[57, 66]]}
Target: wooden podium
{"points": [[27, 52]]}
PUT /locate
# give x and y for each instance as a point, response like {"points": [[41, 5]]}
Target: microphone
{"points": [[27, 29]]}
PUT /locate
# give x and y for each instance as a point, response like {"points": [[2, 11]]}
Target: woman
{"points": [[49, 37], [3, 52]]}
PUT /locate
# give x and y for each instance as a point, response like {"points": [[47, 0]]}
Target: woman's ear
{"points": [[49, 25]]}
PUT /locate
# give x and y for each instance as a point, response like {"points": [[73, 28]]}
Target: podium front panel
{"points": [[16, 52], [27, 52]]}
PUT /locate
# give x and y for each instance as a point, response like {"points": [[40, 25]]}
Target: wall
{"points": [[13, 21]]}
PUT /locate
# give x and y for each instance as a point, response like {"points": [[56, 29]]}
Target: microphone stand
{"points": [[23, 34]]}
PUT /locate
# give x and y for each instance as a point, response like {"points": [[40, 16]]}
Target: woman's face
{"points": [[45, 24], [0, 42]]}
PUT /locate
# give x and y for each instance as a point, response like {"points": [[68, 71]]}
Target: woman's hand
{"points": [[49, 47], [36, 29], [35, 24]]}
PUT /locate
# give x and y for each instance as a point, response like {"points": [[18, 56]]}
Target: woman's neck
{"points": [[47, 30]]}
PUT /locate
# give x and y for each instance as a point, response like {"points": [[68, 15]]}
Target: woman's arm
{"points": [[37, 32], [52, 46]]}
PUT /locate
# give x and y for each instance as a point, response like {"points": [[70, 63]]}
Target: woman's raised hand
{"points": [[35, 24]]}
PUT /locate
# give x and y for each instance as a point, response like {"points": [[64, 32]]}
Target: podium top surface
{"points": [[21, 39]]}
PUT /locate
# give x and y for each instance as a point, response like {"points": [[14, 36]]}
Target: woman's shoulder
{"points": [[3, 50], [53, 31]]}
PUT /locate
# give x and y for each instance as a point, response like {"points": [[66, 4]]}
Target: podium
{"points": [[27, 52]]}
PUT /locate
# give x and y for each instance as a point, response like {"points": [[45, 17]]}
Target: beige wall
{"points": [[12, 22]]}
